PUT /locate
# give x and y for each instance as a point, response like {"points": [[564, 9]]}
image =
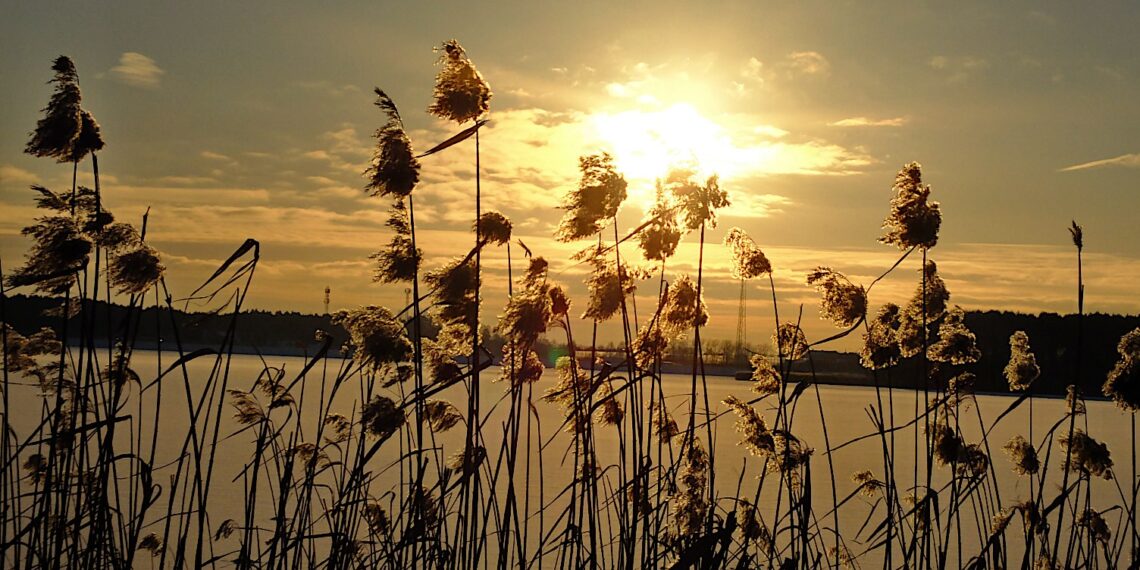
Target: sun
{"points": [[646, 145]]}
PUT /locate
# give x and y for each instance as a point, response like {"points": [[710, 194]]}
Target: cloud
{"points": [[751, 70], [138, 70], [211, 155], [16, 176], [1127, 160], [866, 122], [809, 63], [329, 88], [958, 68]]}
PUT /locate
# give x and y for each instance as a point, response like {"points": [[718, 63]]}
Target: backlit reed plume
{"points": [[658, 241], [842, 554], [868, 485], [765, 377], [910, 333], [754, 432], [843, 302], [1074, 401], [151, 543], [791, 341], [136, 270], [400, 260], [377, 336], [690, 502], [1023, 455], [494, 228], [381, 417], [441, 415], [649, 345], [454, 293], [589, 206], [610, 411], [24, 354], [880, 340], [1022, 369], [461, 94], [747, 259], [961, 386], [913, 220], [698, 202], [338, 428], [956, 343], [1094, 523], [394, 170], [247, 410], [59, 250], [684, 308], [968, 459], [376, 518], [1032, 518], [662, 422], [528, 314], [1123, 383], [608, 285], [750, 527], [1087, 455], [66, 132], [572, 392], [521, 366]]}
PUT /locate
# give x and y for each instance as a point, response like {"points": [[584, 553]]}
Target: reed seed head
{"points": [[380, 417], [880, 340], [135, 271], [461, 94], [394, 170], [914, 220], [747, 259], [66, 132], [441, 416], [378, 337], [153, 543], [1123, 382], [595, 201], [400, 261], [765, 377], [843, 302], [1022, 369], [658, 241], [1094, 522], [1087, 455], [684, 307], [1078, 235], [791, 341], [956, 343], [1023, 455], [698, 202], [494, 228]]}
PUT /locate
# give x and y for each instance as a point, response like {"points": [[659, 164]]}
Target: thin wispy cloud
{"points": [[958, 68], [138, 70], [1126, 160], [809, 63], [868, 122]]}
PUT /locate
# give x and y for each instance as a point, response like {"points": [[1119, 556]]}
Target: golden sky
{"points": [[236, 120]]}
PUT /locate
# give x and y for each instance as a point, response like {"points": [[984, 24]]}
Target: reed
{"points": [[385, 452]]}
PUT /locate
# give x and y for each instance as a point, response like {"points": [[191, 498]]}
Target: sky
{"points": [[232, 120]]}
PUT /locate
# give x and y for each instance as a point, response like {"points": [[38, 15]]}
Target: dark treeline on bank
{"points": [[1053, 339]]}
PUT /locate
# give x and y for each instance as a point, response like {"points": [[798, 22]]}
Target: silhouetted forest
{"points": [[1053, 339]]}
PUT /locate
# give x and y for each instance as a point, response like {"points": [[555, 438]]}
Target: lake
{"points": [[845, 411]]}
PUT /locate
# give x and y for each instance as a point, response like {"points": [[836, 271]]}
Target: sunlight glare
{"points": [[647, 144]]}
